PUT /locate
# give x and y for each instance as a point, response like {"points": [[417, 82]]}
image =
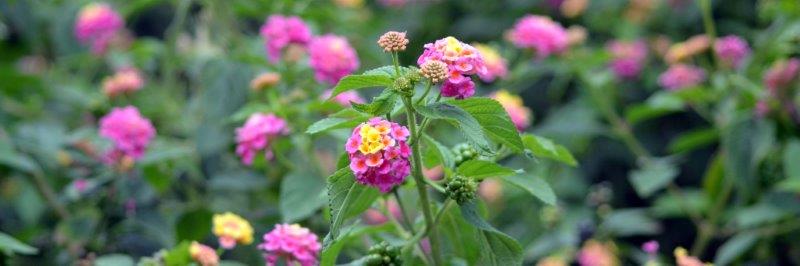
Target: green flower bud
{"points": [[464, 152], [403, 85], [383, 254], [461, 189]]}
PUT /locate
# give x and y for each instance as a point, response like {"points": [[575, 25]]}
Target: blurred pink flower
{"points": [[203, 255], [257, 133], [375, 217], [124, 81], [496, 65], [780, 75], [628, 58], [129, 132], [97, 24], [293, 243], [731, 50], [332, 58], [490, 189], [281, 31], [344, 98], [80, 185], [462, 60], [539, 33], [594, 253], [650, 247], [681, 76], [379, 154]]}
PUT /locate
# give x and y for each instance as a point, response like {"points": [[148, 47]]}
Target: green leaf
{"points": [[193, 225], [497, 248], [346, 118], [692, 140], [629, 222], [758, 214], [652, 176], [479, 169], [380, 105], [670, 206], [790, 154], [464, 121], [494, 120], [179, 255], [114, 260], [543, 147], [441, 152], [354, 82], [301, 195], [10, 246], [347, 199], [735, 247], [534, 185], [739, 138], [11, 158], [329, 255], [642, 112]]}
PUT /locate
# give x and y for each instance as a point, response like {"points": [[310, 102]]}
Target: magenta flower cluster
{"points": [[628, 58], [681, 76], [731, 50], [129, 131], [256, 134], [780, 75], [462, 61], [97, 24], [332, 58], [539, 33], [293, 244], [281, 31], [379, 153]]}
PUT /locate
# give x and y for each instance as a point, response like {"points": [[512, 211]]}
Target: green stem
{"points": [[396, 63], [708, 24], [403, 212], [427, 90], [420, 180]]}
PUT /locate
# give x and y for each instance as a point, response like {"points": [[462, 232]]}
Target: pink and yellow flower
{"points": [[97, 24], [462, 61], [539, 33], [731, 50], [203, 255], [682, 51], [281, 31], [129, 131], [344, 99], [520, 115], [682, 258], [496, 66], [595, 253], [293, 243], [628, 58], [681, 76], [124, 81], [257, 133], [780, 75], [332, 58], [231, 229], [379, 154]]}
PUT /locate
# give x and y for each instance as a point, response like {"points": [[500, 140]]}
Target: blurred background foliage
{"points": [[198, 57]]}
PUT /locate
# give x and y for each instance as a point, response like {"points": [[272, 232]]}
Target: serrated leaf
{"points": [[534, 185], [10, 246], [652, 176], [445, 156], [494, 120], [380, 105], [346, 118], [479, 169], [546, 148], [462, 120], [354, 82], [301, 195], [497, 248], [735, 247], [347, 199]]}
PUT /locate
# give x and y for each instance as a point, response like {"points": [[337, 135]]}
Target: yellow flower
{"points": [[232, 229], [489, 54]]}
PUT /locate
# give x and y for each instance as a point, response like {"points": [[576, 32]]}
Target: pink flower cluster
{"points": [[628, 58], [540, 33], [256, 134], [97, 24], [129, 132], [731, 50], [124, 81], [462, 60], [281, 31], [781, 74], [496, 65], [332, 58], [379, 154], [293, 243], [681, 76], [344, 98]]}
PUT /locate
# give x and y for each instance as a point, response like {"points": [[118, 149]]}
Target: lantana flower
{"points": [[628, 58], [129, 131], [520, 115], [97, 25], [281, 31], [379, 153], [539, 33], [257, 134], [124, 81], [203, 255], [462, 61], [731, 50], [331, 57], [496, 65], [231, 229], [595, 253], [292, 243], [780, 75], [681, 76]]}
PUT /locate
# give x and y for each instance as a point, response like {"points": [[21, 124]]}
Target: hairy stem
{"points": [[421, 187]]}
